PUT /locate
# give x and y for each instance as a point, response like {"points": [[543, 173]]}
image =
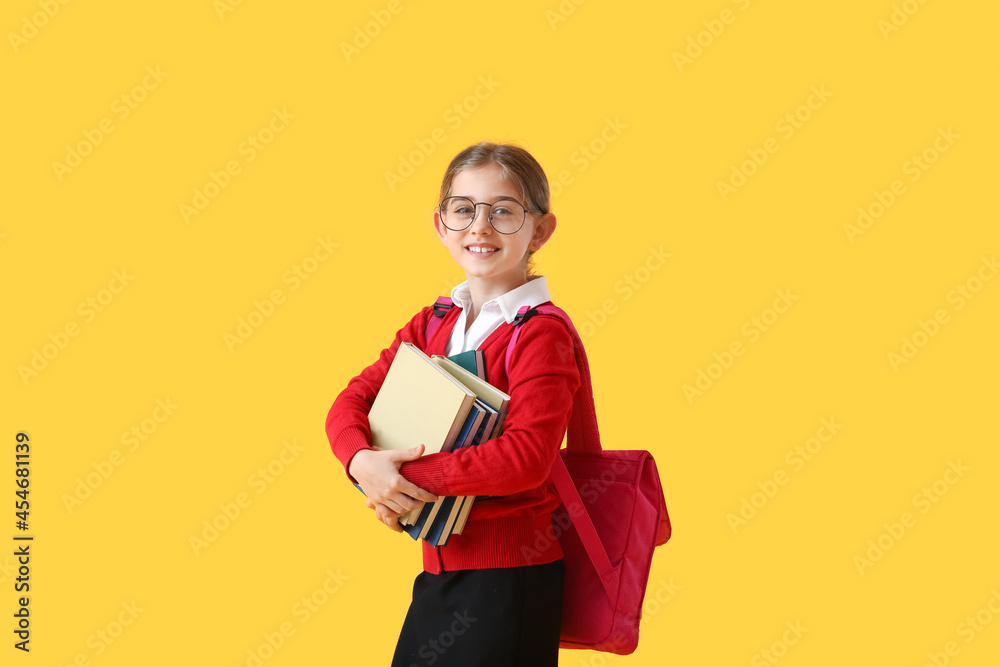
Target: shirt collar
{"points": [[531, 294]]}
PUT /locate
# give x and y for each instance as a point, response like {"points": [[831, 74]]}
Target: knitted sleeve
{"points": [[543, 379]]}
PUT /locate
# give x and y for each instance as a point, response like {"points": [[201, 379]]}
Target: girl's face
{"points": [[482, 252]]}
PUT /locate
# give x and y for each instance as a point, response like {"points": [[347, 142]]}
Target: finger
{"points": [[410, 454], [413, 505], [393, 506], [415, 492], [407, 502], [392, 521], [369, 504], [383, 513]]}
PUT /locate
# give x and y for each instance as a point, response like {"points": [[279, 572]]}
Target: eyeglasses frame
{"points": [[475, 212]]}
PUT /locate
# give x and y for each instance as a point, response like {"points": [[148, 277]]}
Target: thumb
{"points": [[412, 453]]}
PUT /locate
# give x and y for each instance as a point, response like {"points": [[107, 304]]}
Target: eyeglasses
{"points": [[506, 215]]}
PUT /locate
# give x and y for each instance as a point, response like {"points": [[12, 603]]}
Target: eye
{"points": [[459, 206]]}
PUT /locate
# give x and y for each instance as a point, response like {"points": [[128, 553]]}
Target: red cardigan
{"points": [[515, 529]]}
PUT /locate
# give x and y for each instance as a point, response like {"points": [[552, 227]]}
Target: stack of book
{"points": [[445, 404]]}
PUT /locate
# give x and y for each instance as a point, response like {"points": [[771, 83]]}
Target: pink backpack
{"points": [[613, 515]]}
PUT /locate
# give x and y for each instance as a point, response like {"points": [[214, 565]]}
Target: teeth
{"points": [[478, 249]]}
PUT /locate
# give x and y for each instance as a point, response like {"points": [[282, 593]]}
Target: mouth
{"points": [[481, 250]]}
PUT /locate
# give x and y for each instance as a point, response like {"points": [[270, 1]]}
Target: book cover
{"points": [[418, 403]]}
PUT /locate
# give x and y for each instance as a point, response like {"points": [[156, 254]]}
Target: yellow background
{"points": [[560, 74]]}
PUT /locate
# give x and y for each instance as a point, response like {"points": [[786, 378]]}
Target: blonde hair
{"points": [[516, 165]]}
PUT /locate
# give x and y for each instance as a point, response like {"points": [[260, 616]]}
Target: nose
{"points": [[481, 219]]}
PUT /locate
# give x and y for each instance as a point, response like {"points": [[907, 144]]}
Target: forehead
{"points": [[483, 183]]}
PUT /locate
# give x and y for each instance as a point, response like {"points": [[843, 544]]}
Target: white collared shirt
{"points": [[493, 313]]}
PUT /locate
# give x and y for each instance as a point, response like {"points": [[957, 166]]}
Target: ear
{"points": [[544, 228], [439, 227]]}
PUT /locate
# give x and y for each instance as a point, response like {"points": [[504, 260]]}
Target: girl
{"points": [[493, 595]]}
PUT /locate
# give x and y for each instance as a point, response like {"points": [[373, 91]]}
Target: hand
{"points": [[377, 472], [386, 516]]}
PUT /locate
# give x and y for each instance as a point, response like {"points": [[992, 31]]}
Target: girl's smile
{"points": [[481, 250]]}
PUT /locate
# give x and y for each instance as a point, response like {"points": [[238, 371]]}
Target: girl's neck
{"points": [[481, 291]]}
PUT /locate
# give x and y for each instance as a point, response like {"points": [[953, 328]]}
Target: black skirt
{"points": [[494, 617]]}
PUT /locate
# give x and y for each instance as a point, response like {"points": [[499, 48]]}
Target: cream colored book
{"points": [[418, 403]]}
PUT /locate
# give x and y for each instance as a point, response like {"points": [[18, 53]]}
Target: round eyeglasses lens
{"points": [[508, 216], [457, 212]]}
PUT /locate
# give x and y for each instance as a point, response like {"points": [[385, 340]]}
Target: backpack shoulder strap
{"points": [[441, 308], [583, 434]]}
